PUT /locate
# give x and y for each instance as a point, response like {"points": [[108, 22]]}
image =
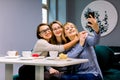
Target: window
{"points": [[44, 11]]}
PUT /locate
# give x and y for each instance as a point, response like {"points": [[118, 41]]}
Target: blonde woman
{"points": [[83, 50]]}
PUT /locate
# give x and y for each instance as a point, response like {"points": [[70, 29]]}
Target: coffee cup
{"points": [[53, 54], [26, 53], [12, 53]]}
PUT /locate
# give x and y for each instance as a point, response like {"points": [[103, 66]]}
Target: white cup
{"points": [[26, 53], [12, 53], [53, 54]]}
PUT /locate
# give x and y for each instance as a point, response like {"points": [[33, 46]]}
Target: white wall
{"points": [[18, 22]]}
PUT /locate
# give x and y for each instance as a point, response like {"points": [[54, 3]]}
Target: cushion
{"points": [[15, 77], [112, 74], [104, 56]]}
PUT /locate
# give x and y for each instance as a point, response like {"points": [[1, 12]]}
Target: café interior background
{"points": [[19, 19]]}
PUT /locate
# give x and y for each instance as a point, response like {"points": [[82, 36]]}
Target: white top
{"points": [[42, 45]]}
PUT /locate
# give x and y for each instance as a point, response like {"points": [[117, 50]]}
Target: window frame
{"points": [[45, 7]]}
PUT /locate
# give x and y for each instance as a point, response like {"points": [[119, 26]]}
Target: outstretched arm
{"points": [[93, 40]]}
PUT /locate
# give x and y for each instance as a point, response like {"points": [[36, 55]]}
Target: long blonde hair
{"points": [[68, 40]]}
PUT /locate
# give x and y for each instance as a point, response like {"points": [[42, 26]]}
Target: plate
{"points": [[67, 59], [26, 58], [58, 59], [12, 57], [106, 21], [50, 58], [40, 57]]}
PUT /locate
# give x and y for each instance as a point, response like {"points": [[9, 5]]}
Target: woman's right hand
{"points": [[76, 37], [93, 24]]}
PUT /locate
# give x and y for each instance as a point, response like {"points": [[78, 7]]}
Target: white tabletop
{"points": [[39, 63], [43, 62]]}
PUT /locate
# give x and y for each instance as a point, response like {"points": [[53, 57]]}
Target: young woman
{"points": [[54, 73], [57, 29], [42, 47], [83, 50]]}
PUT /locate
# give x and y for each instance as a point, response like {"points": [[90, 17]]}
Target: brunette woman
{"points": [[42, 47]]}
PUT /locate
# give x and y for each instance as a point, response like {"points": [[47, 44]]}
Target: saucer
{"points": [[12, 57], [50, 58], [40, 57], [26, 58]]}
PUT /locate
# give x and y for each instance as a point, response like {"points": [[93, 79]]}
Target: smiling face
{"points": [[70, 30], [58, 33], [45, 32], [57, 29]]}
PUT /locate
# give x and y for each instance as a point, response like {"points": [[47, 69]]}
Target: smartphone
{"points": [[92, 14]]}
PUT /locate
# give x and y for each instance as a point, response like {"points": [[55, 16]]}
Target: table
{"points": [[39, 65]]}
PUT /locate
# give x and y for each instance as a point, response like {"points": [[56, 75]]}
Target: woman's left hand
{"points": [[83, 36]]}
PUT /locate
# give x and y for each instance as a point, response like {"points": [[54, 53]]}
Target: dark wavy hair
{"points": [[63, 35], [37, 32]]}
